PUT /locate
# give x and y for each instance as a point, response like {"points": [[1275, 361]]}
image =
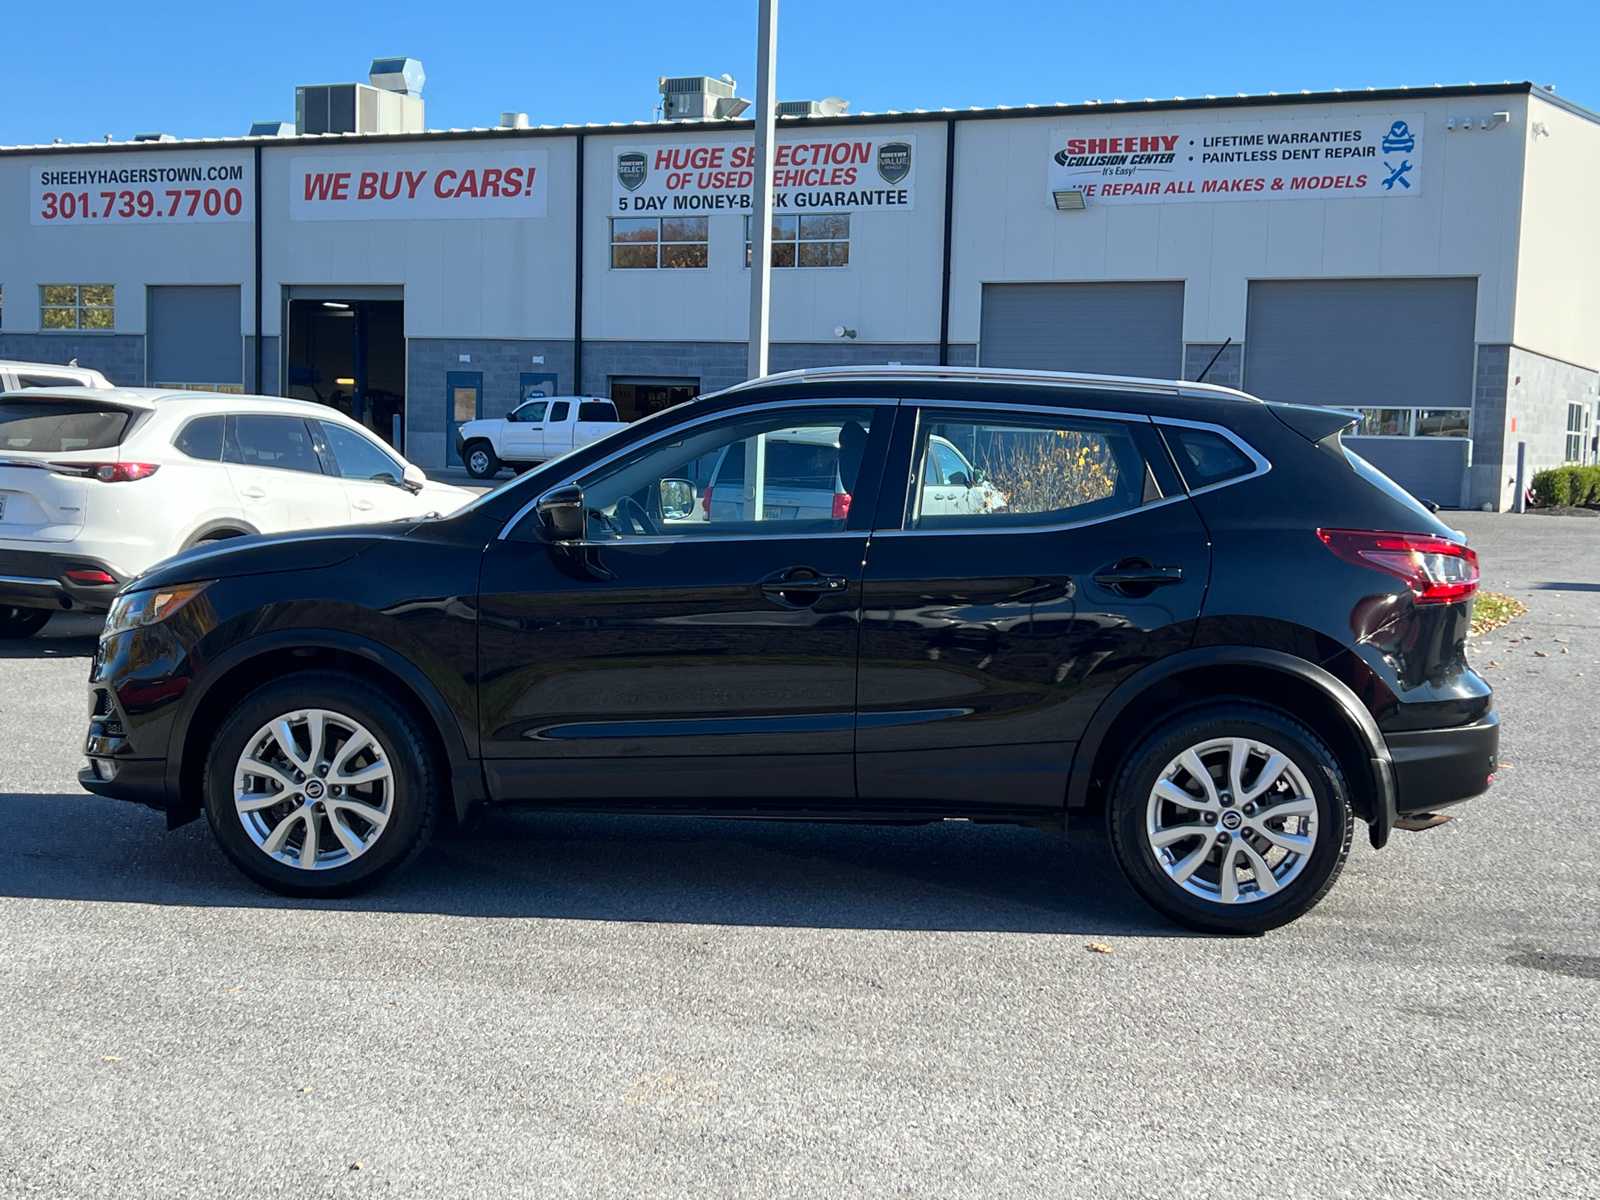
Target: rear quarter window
{"points": [[1206, 458], [201, 438], [56, 426], [596, 410]]}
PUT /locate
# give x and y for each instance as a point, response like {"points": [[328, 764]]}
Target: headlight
{"points": [[136, 609]]}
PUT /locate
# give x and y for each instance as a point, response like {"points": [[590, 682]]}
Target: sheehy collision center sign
{"points": [[828, 174], [164, 188], [499, 182], [1154, 163]]}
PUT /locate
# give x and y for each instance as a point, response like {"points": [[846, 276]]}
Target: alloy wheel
{"points": [[1232, 820], [314, 789]]}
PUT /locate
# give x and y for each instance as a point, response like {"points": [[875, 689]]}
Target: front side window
{"points": [[531, 413], [360, 457], [280, 442], [768, 475], [807, 240], [647, 243], [77, 306], [992, 471]]}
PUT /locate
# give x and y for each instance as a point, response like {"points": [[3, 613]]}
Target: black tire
{"points": [[480, 459], [412, 794], [1133, 810], [218, 535], [22, 622]]}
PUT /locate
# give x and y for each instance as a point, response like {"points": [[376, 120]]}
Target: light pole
{"points": [[761, 216]]}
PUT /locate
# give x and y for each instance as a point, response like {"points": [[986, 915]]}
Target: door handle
{"points": [[800, 587], [253, 493], [1136, 577], [363, 505]]}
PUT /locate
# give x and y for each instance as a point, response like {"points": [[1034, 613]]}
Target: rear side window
{"points": [[1205, 458], [559, 411], [281, 442], [201, 438], [53, 426], [596, 410]]}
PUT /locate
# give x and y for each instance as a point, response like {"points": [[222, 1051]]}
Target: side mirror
{"points": [[561, 514], [959, 479], [413, 479], [677, 499]]}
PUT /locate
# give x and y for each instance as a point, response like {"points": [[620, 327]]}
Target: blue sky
{"points": [[82, 70]]}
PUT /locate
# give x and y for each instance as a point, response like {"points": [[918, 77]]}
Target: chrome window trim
{"points": [[770, 406], [996, 375], [1262, 466], [1007, 530]]}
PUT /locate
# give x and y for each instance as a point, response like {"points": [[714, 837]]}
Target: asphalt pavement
{"points": [[591, 1006]]}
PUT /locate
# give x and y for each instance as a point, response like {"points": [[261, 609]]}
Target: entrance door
{"points": [[1038, 562], [685, 651], [463, 402], [349, 353]]}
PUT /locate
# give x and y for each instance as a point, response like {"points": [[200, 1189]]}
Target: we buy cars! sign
{"points": [[500, 182], [1370, 154], [834, 174]]}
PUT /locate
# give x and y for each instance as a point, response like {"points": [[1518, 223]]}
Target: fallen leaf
{"points": [[111, 1058], [1564, 650], [1554, 638], [232, 990], [1540, 654], [1099, 948], [1490, 663], [424, 962], [305, 1089], [357, 1165]]}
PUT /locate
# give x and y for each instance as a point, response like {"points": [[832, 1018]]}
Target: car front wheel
{"points": [[318, 785], [1233, 820], [482, 462], [22, 622]]}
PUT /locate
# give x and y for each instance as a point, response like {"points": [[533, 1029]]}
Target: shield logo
{"points": [[894, 161], [632, 168]]}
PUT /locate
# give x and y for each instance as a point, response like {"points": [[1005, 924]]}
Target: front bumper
{"points": [[38, 579], [1437, 767]]}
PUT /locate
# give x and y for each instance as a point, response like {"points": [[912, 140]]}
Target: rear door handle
{"points": [[800, 587], [1136, 575], [253, 493]]}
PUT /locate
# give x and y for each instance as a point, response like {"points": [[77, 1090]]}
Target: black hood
{"points": [[262, 554]]}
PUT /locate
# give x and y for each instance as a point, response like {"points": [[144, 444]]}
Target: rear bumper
{"points": [[1437, 767], [38, 579]]}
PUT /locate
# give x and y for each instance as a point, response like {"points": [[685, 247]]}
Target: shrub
{"points": [[1567, 487]]}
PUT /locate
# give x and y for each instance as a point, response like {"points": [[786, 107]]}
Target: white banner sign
{"points": [[488, 182], [157, 188], [1270, 160], [830, 174]]}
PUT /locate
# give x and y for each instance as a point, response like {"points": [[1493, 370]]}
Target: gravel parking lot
{"points": [[636, 1006]]}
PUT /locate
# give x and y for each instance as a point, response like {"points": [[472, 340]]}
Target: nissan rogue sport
{"points": [[1196, 621]]}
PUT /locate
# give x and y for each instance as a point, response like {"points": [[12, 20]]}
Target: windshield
{"points": [[54, 426]]}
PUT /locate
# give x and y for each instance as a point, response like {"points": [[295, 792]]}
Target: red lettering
{"points": [[716, 156], [412, 181], [1097, 146], [383, 185], [1077, 146], [663, 160], [783, 158], [491, 179], [512, 183], [439, 185], [317, 186], [1167, 143], [861, 152], [341, 186], [368, 188], [469, 184]]}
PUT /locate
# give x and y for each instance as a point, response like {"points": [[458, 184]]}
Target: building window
{"points": [[811, 240], [1574, 432], [1415, 422], [77, 306], [659, 242]]}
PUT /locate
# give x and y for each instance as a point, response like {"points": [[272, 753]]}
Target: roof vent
{"points": [[700, 98], [154, 137], [513, 120], [271, 129], [403, 75], [833, 106]]}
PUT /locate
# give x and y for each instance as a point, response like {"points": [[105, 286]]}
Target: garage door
{"points": [[193, 336], [1097, 328], [1362, 343]]}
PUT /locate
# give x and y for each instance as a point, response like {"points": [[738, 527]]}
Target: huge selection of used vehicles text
{"points": [[1166, 610]]}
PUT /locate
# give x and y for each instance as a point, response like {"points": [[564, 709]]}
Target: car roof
{"points": [[990, 376], [18, 364], [149, 399]]}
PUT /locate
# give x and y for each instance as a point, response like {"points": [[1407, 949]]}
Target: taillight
{"points": [[85, 575], [117, 472], [1437, 570], [841, 505]]}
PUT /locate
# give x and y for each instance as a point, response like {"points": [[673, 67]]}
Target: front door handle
{"points": [[363, 505], [252, 493], [801, 587], [1136, 577]]}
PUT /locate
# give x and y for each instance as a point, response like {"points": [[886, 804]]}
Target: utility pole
{"points": [[761, 215]]}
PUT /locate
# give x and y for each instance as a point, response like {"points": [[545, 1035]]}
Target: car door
{"points": [[278, 476], [524, 432], [708, 662], [991, 633], [372, 477]]}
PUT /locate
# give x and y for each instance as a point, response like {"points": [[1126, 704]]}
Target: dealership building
{"points": [[1428, 255]]}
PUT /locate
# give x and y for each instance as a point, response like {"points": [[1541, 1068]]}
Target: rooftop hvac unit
{"points": [[355, 108], [403, 75], [700, 98], [833, 106], [271, 129]]}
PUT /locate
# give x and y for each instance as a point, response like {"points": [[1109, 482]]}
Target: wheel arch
{"points": [[1195, 677], [246, 667], [231, 526]]}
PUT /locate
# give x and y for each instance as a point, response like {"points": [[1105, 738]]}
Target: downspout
{"points": [[258, 357], [949, 213], [577, 278]]}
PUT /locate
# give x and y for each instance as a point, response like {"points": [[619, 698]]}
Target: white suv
{"points": [[16, 375], [96, 485]]}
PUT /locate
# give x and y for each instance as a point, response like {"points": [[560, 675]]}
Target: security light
{"points": [[841, 332], [1070, 201]]}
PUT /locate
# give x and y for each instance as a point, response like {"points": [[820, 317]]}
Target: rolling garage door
{"points": [[1098, 328], [193, 336], [1371, 343]]}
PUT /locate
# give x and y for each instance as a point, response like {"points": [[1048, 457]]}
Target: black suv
{"points": [[1169, 610]]}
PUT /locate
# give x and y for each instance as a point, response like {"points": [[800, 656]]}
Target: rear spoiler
{"points": [[1314, 424]]}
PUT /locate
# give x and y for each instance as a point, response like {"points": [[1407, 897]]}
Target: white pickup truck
{"points": [[534, 432]]}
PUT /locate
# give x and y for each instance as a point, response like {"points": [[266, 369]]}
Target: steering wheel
{"points": [[633, 519]]}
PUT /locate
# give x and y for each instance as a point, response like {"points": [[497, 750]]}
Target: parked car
{"points": [[534, 432], [96, 485], [14, 376], [1198, 622]]}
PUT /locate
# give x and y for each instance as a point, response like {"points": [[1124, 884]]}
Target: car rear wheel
{"points": [[1231, 820], [22, 622], [482, 462], [318, 785]]}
